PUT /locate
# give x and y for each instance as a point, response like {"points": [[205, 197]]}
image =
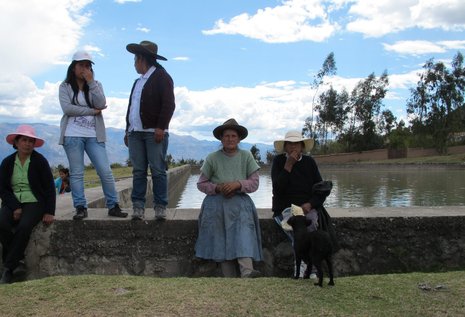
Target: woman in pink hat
{"points": [[27, 191]]}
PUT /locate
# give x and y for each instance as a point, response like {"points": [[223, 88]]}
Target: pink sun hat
{"points": [[25, 130]]}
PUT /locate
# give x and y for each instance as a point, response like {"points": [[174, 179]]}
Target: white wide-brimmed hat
{"points": [[293, 136]]}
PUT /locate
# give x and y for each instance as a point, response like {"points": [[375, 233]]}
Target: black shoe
{"points": [[116, 212], [81, 213], [253, 274], [7, 276], [21, 269]]}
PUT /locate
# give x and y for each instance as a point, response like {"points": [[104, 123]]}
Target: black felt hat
{"points": [[145, 48]]}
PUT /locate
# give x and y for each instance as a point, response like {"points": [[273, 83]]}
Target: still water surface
{"points": [[366, 187]]}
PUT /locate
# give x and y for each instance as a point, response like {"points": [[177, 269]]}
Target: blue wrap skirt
{"points": [[228, 229]]}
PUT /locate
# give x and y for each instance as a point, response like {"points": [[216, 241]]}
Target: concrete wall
{"points": [[373, 241], [177, 178], [382, 154]]}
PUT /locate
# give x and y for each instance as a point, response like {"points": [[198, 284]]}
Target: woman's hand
{"points": [[228, 189], [48, 219], [17, 214], [87, 74], [306, 207], [291, 159]]}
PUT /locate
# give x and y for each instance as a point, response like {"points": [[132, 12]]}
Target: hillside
{"points": [[180, 147]]}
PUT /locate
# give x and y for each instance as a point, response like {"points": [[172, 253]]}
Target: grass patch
{"points": [[371, 295]]}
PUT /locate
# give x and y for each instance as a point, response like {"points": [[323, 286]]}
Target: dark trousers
{"points": [[14, 235]]}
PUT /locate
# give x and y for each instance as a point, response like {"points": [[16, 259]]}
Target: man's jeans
{"points": [[145, 152], [75, 148]]}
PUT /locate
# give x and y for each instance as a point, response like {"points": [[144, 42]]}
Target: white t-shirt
{"points": [[82, 126]]}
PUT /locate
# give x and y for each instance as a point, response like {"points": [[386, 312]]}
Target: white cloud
{"points": [[267, 110], [423, 47], [445, 14], [378, 18], [404, 81], [318, 20], [414, 47], [143, 29], [37, 33], [453, 45], [181, 58], [293, 21], [23, 101], [127, 1]]}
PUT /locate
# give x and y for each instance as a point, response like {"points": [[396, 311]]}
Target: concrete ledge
{"points": [[370, 243], [373, 241]]}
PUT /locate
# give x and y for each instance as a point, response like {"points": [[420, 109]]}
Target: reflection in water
{"points": [[367, 187]]}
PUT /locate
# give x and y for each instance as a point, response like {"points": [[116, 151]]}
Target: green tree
{"points": [[256, 153], [270, 156], [169, 160], [436, 105], [328, 68], [332, 109], [399, 138], [388, 122], [366, 100]]}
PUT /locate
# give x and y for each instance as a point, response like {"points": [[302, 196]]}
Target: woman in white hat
{"points": [[296, 180], [293, 174], [27, 191], [229, 231], [82, 130]]}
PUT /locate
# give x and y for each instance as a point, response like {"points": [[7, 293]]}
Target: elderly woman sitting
{"points": [[229, 231]]}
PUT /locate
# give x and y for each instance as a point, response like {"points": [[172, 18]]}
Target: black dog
{"points": [[312, 248]]}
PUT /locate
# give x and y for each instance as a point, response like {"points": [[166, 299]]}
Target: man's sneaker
{"points": [[138, 214], [116, 212], [160, 212], [81, 213]]}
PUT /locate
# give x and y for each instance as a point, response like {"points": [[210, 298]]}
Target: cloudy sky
{"points": [[251, 60]]}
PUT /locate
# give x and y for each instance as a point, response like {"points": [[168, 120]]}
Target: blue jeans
{"points": [[145, 153], [75, 148]]}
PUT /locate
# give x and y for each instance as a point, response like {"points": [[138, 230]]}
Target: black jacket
{"points": [[295, 187], [40, 179], [157, 101]]}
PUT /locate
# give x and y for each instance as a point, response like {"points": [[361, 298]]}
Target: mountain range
{"points": [[180, 146]]}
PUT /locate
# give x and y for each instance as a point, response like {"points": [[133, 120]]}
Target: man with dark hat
{"points": [[151, 106]]}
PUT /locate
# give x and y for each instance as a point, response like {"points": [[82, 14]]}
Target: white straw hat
{"points": [[293, 136]]}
